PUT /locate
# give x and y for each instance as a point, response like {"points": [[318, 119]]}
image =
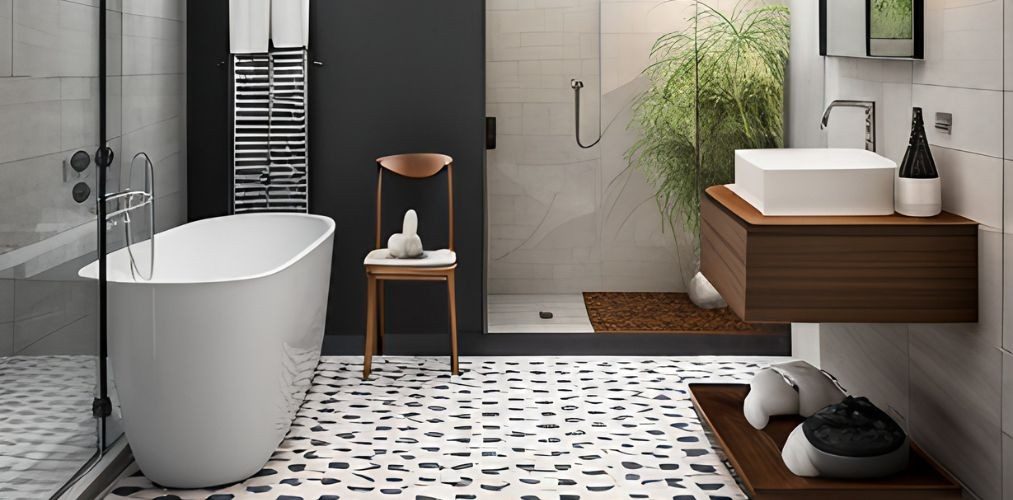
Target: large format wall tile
{"points": [[870, 361], [977, 118], [962, 42], [972, 185], [6, 37], [29, 118], [55, 38], [888, 84], [956, 383], [151, 45], [954, 406], [806, 73], [166, 9]]}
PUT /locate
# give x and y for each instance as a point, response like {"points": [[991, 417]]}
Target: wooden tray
{"points": [[756, 457]]}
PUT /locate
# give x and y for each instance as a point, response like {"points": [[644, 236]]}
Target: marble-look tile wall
{"points": [[564, 219], [49, 108], [944, 383]]}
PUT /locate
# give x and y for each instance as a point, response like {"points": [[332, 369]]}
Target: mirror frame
{"points": [[919, 31]]}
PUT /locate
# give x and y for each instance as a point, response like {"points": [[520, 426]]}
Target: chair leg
{"points": [[367, 359], [452, 294], [381, 316]]}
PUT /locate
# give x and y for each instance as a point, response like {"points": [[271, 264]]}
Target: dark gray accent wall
{"points": [[395, 76], [207, 84], [399, 76]]}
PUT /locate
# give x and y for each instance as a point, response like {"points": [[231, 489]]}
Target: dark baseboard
{"points": [[570, 344]]}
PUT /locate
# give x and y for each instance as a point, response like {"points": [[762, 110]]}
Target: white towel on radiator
{"points": [[249, 26], [290, 23]]}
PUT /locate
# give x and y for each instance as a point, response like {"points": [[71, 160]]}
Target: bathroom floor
{"points": [[46, 428], [509, 427]]}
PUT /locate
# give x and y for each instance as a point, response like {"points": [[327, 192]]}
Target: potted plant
{"points": [[714, 87]]}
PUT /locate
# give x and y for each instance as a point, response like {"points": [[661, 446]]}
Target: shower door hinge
{"points": [[101, 407], [104, 156]]}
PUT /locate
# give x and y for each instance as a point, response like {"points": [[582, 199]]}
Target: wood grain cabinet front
{"points": [[866, 269]]}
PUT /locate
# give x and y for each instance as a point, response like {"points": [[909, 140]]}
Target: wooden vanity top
{"points": [[749, 214]]}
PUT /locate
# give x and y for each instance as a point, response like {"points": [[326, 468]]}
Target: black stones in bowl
{"points": [[851, 439]]}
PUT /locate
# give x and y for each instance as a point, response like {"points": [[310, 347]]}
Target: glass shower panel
{"points": [[543, 189], [146, 131], [570, 225], [49, 108]]}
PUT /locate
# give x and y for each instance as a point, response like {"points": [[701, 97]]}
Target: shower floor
{"points": [[541, 428], [615, 312], [46, 429], [518, 313]]}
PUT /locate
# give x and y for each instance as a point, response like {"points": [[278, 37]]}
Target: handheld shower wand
{"points": [[576, 85]]}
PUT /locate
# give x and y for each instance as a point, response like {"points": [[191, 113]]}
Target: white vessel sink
{"points": [[815, 181]]}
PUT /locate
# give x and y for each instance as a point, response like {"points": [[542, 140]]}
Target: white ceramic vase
{"points": [[918, 197]]}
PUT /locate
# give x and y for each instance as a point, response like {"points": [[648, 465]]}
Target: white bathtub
{"points": [[212, 356]]}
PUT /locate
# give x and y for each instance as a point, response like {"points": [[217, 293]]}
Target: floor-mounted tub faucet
{"points": [[870, 118]]}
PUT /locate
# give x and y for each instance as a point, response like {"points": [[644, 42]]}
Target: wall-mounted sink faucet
{"points": [[870, 118]]}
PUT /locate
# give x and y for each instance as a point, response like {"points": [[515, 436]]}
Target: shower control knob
{"points": [[81, 192], [80, 161]]}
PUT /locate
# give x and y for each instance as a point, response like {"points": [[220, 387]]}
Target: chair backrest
{"points": [[415, 166]]}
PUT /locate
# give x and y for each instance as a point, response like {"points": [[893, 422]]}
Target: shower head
{"points": [[576, 84]]}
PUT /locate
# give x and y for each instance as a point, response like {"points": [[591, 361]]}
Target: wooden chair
{"points": [[437, 265]]}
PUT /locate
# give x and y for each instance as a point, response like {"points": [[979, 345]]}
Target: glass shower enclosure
{"points": [[84, 87], [603, 149]]}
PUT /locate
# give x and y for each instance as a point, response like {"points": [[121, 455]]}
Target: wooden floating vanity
{"points": [[867, 269]]}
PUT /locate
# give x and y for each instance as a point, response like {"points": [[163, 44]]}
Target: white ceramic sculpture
{"points": [[407, 244], [703, 294], [792, 388], [849, 440]]}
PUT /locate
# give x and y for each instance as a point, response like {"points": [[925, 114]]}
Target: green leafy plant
{"points": [[713, 88], [891, 19]]}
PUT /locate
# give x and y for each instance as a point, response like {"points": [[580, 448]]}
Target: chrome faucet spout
{"points": [[870, 118]]}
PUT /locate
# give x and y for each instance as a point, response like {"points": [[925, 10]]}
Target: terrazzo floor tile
{"points": [[508, 428]]}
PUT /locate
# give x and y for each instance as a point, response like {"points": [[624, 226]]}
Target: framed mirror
{"points": [[872, 28]]}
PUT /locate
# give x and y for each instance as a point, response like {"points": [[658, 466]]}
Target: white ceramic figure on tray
{"points": [[792, 388]]}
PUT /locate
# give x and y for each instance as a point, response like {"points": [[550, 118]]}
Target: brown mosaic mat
{"points": [[640, 312]]}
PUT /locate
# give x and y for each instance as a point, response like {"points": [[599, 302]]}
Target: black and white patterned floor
{"points": [[46, 428], [507, 428]]}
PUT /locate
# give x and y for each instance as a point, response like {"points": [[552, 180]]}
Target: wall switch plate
{"points": [[944, 122]]}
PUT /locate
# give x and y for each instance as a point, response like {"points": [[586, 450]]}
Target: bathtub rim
{"points": [[90, 271]]}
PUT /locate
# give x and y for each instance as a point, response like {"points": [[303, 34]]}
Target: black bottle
{"points": [[918, 162]]}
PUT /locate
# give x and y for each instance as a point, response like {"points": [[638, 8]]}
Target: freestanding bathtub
{"points": [[212, 356]]}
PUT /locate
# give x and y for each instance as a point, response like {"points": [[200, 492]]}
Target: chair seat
{"points": [[429, 258]]}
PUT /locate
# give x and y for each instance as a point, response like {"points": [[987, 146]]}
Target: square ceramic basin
{"points": [[815, 181]]}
